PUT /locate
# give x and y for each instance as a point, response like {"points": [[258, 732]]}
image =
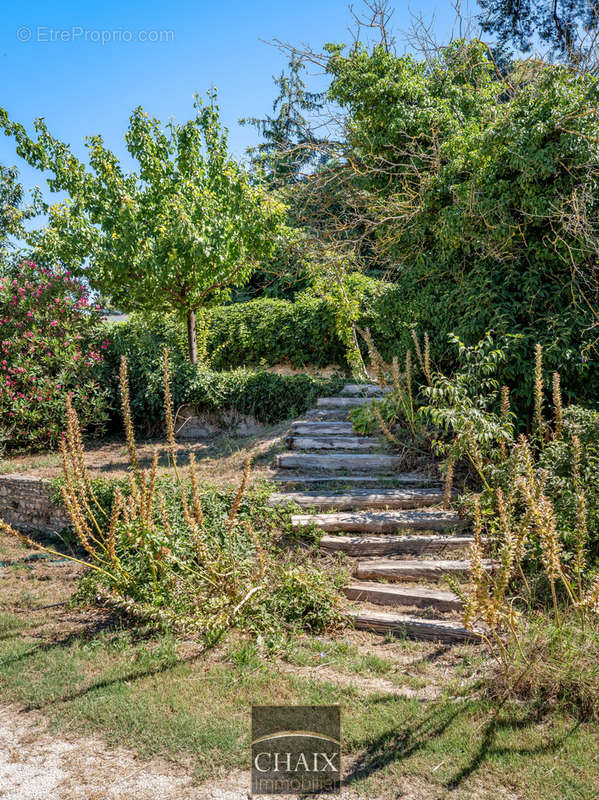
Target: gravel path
{"points": [[36, 764]]}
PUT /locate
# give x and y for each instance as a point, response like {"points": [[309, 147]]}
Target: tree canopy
{"points": [[174, 236], [479, 191], [570, 28]]}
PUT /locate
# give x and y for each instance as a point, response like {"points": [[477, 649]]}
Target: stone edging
{"points": [[26, 504]]}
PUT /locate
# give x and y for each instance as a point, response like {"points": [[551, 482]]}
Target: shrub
{"points": [[191, 560], [50, 339], [270, 332], [264, 395]]}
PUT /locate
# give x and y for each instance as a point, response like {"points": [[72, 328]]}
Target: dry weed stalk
{"points": [[539, 424], [448, 489], [557, 406], [128, 422], [505, 410], [141, 520], [388, 433]]}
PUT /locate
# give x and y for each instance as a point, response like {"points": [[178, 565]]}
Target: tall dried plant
{"points": [[539, 389]]}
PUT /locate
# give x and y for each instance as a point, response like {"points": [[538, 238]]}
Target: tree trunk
{"points": [[191, 337]]}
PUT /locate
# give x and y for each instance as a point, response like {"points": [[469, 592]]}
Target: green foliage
{"points": [[272, 332], [567, 467], [464, 406], [264, 395], [314, 330], [51, 344], [481, 194], [173, 237], [191, 577], [555, 667], [305, 597], [13, 214]]}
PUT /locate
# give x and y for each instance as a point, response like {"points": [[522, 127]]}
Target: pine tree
{"points": [[288, 150]]}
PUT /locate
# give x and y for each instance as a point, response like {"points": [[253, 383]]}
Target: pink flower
{"points": [[54, 322]]}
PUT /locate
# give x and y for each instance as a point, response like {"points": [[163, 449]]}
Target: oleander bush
{"points": [[52, 342]]}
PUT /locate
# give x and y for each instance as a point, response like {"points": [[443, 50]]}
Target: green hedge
{"points": [[269, 331], [262, 332], [268, 397]]}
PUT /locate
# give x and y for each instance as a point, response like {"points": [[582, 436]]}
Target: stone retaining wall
{"points": [[25, 503], [191, 427]]}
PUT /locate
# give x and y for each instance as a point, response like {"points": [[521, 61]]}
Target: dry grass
{"points": [[219, 459]]}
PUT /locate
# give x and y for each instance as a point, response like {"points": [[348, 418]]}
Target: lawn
{"points": [[413, 720]]}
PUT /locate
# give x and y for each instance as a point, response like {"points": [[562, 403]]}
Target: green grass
{"points": [[147, 694]]}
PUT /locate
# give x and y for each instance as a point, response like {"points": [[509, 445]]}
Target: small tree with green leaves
{"points": [[175, 236], [14, 212]]}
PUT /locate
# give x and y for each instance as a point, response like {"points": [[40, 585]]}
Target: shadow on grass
{"points": [[399, 744], [113, 622]]}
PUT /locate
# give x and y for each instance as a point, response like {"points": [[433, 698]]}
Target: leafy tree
{"points": [[569, 27], [481, 195], [13, 214], [175, 236]]}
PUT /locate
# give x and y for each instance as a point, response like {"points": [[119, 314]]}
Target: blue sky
{"points": [[55, 66]]}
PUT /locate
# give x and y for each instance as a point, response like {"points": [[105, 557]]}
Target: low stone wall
{"points": [[191, 427], [25, 503]]}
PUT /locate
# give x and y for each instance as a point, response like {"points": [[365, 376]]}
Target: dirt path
{"points": [[35, 764]]}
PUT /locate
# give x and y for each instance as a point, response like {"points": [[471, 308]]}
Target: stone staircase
{"points": [[390, 523]]}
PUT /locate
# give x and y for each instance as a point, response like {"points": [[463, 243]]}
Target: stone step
{"points": [[398, 595], [413, 570], [344, 462], [360, 499], [334, 443], [342, 402], [334, 428], [300, 480], [414, 627], [394, 545], [361, 390], [327, 414], [381, 521]]}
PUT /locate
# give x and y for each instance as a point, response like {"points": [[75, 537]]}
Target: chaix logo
{"points": [[296, 750]]}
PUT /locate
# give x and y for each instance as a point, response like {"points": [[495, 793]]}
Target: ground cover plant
{"points": [[170, 556]]}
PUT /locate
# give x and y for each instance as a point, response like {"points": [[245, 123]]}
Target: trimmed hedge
{"points": [[267, 397], [262, 332], [269, 331]]}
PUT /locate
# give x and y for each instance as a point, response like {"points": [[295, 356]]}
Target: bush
{"points": [[270, 332], [482, 195], [52, 344], [266, 331], [267, 397], [188, 558]]}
